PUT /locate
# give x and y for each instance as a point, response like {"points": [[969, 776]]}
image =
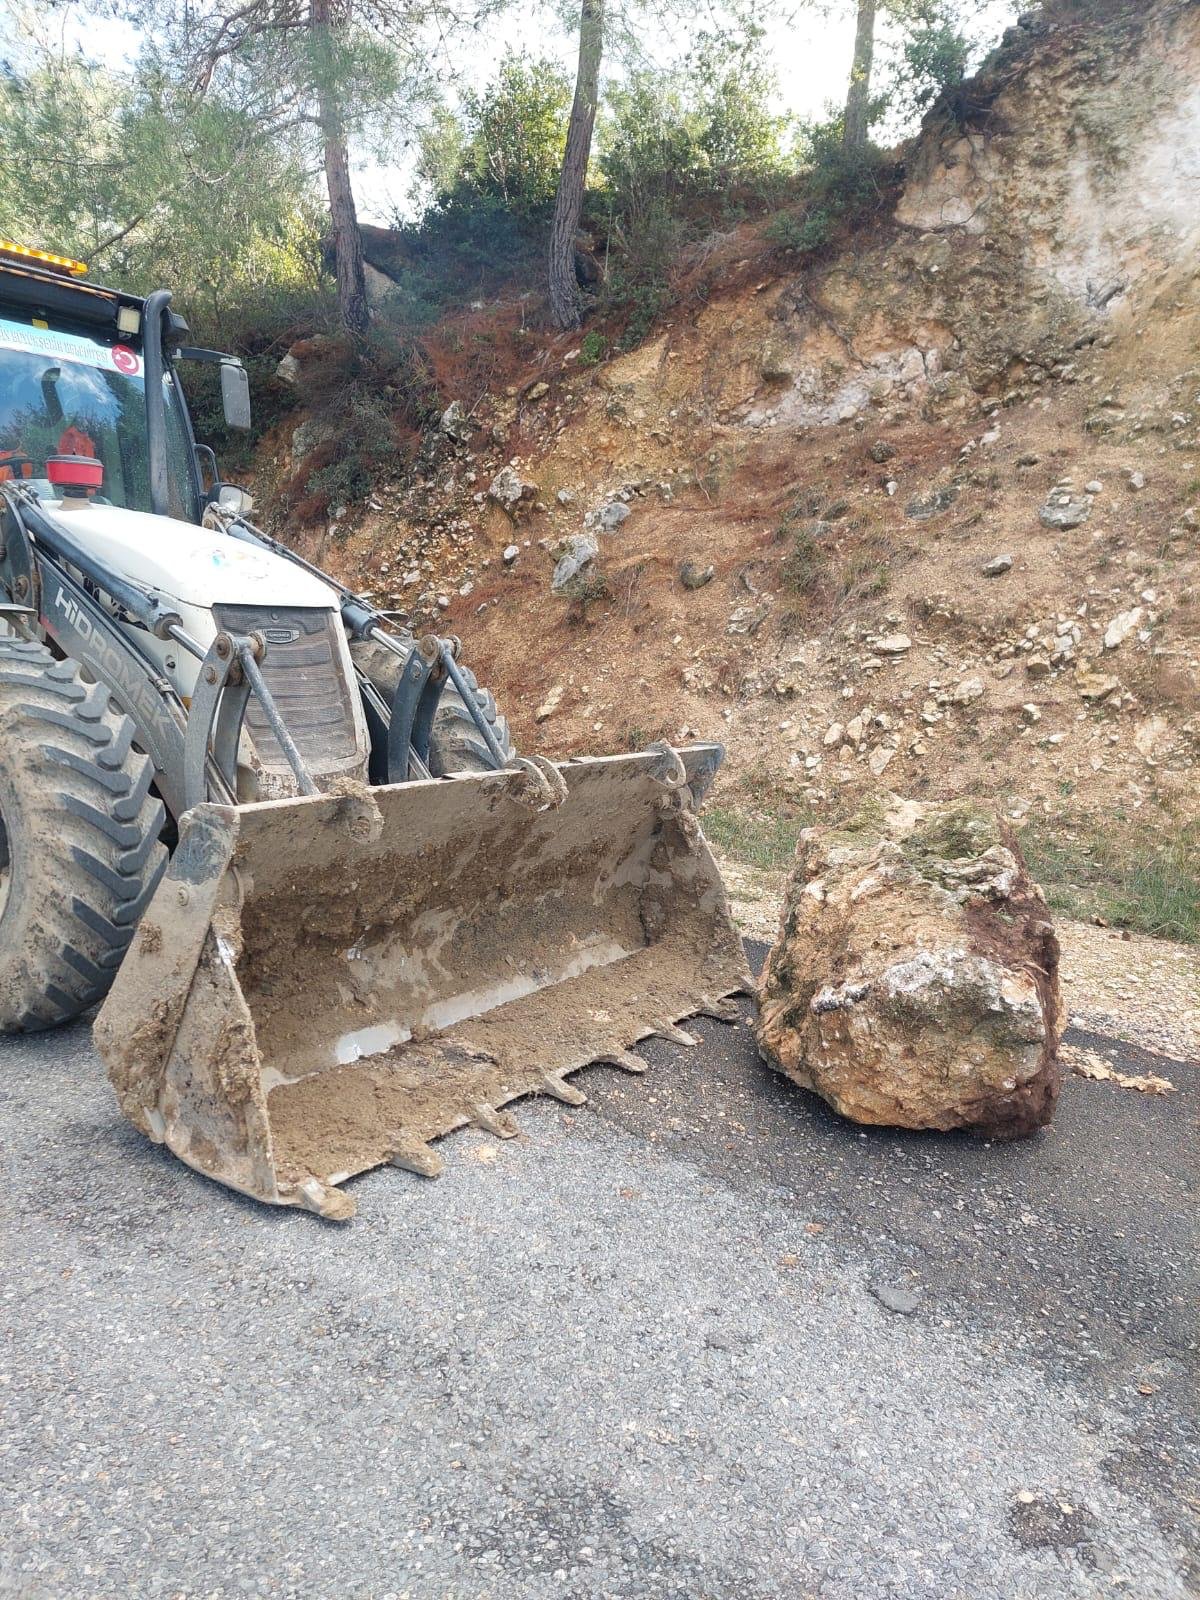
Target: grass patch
{"points": [[1131, 880], [755, 840]]}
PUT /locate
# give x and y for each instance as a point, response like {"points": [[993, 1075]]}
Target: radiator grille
{"points": [[303, 672]]}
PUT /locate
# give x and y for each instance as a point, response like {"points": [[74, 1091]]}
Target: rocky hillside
{"points": [[922, 513]]}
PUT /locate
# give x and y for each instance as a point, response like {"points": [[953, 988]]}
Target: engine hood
{"points": [[189, 564]]}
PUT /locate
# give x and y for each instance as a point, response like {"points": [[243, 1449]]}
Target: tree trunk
{"points": [[343, 217], [854, 125], [568, 201]]}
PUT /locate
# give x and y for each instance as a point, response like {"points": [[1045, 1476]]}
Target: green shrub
{"points": [[804, 563], [368, 392], [593, 348], [1121, 873], [515, 133], [465, 247], [840, 188], [932, 62], [800, 231]]}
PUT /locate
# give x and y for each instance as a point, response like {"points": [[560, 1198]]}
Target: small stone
{"points": [[550, 704], [611, 516], [1136, 480], [288, 370], [1095, 686], [931, 505], [1094, 487], [694, 576], [834, 734], [1038, 666], [455, 423], [1064, 510], [1123, 626], [892, 1297], [537, 391], [575, 555], [1030, 712], [565, 497], [746, 619], [997, 565], [892, 644], [509, 490], [968, 690], [879, 758], [511, 552]]}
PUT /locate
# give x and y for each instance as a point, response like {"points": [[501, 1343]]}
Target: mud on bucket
{"points": [[323, 985]]}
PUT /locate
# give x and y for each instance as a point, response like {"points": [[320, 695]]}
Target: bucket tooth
{"points": [[501, 1124], [675, 1035], [558, 1088], [627, 1060], [325, 1200], [721, 1010], [414, 1155]]}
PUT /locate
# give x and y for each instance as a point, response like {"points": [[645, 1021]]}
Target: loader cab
{"points": [[87, 374]]}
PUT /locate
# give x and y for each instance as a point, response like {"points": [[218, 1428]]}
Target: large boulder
{"points": [[914, 982]]}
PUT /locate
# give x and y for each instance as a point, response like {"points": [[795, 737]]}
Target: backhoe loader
{"points": [[330, 914]]}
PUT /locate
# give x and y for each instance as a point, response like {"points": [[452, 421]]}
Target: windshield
{"points": [[72, 394]]}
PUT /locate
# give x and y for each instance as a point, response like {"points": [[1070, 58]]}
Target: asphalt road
{"points": [[698, 1340]]}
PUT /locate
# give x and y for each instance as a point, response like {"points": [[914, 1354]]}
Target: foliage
{"points": [[515, 132], [149, 187], [699, 131], [1121, 872], [803, 564], [680, 151], [359, 395], [931, 58], [486, 178], [841, 187], [465, 247], [757, 839], [593, 348]]}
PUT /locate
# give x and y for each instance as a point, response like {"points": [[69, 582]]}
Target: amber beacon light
{"points": [[44, 258]]}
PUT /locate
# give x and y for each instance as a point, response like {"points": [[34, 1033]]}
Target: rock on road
{"points": [[698, 1340]]}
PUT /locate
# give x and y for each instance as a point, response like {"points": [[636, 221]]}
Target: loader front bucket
{"points": [[326, 984]]}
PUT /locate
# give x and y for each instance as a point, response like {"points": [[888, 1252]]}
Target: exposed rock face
{"points": [[915, 979]]}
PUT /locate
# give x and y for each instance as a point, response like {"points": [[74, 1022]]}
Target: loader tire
{"points": [[455, 744], [79, 838]]}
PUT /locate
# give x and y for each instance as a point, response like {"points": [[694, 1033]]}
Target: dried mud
{"points": [[345, 1120], [499, 947]]}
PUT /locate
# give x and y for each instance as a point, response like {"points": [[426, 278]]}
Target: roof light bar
{"points": [[44, 258]]}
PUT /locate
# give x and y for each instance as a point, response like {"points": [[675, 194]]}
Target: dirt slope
{"points": [[946, 480]]}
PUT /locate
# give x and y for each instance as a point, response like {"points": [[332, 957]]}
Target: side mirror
{"points": [[235, 394], [234, 500]]}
